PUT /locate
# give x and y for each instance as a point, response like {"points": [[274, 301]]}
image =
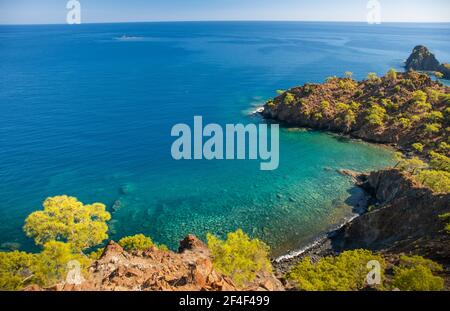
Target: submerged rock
{"points": [[126, 189]]}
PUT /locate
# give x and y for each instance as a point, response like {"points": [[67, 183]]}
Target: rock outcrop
{"points": [[422, 59], [380, 110], [190, 269], [406, 219]]}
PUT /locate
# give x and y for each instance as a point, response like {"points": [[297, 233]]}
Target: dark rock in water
{"points": [[355, 176], [116, 205], [126, 189], [279, 196], [422, 59]]}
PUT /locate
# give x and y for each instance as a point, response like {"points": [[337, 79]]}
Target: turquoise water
{"points": [[88, 113]]}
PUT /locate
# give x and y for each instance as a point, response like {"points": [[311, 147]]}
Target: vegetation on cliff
{"points": [[349, 271], [346, 272], [408, 110], [239, 257]]}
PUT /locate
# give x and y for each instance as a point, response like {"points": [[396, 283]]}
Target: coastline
{"points": [[322, 245]]}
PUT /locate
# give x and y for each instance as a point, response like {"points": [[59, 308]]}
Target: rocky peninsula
{"points": [[408, 111]]}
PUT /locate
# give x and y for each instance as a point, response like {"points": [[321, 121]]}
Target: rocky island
{"points": [[422, 59]]}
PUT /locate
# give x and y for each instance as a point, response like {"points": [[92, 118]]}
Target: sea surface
{"points": [[87, 110]]}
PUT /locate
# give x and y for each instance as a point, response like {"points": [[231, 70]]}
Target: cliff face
{"points": [[190, 269], [406, 220]]}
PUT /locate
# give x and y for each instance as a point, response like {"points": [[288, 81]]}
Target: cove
{"points": [[110, 140]]}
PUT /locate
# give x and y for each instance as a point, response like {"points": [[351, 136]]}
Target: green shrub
{"points": [[418, 146], [239, 257], [373, 77], [416, 274], [346, 272], [412, 165], [66, 219], [392, 75], [446, 217], [52, 263], [376, 115], [432, 128], [15, 270], [405, 123], [439, 161], [138, 242], [325, 105], [348, 74], [288, 98], [435, 116], [438, 181]]}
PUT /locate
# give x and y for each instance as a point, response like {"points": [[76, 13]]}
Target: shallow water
{"points": [[85, 111]]}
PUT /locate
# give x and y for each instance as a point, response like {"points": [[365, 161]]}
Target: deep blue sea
{"points": [[87, 111]]}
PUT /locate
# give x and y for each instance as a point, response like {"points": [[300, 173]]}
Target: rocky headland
{"points": [[421, 59], [408, 111]]}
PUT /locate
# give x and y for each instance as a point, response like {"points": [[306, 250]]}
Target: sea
{"points": [[87, 111]]}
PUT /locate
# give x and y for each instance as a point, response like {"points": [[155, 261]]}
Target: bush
{"points": [[348, 74], [138, 242], [405, 123], [392, 75], [416, 274], [376, 115], [288, 98], [239, 257], [438, 181], [418, 147], [15, 270], [435, 116], [66, 219], [373, 77], [346, 272], [439, 161], [347, 85], [446, 217], [419, 97], [52, 263], [412, 165], [432, 128], [19, 269], [325, 105]]}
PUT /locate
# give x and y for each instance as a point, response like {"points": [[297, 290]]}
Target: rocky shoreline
{"points": [[396, 111]]}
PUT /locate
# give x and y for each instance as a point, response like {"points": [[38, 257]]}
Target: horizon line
{"points": [[226, 20]]}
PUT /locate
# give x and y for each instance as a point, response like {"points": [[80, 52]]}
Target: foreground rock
{"points": [[190, 269]]}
